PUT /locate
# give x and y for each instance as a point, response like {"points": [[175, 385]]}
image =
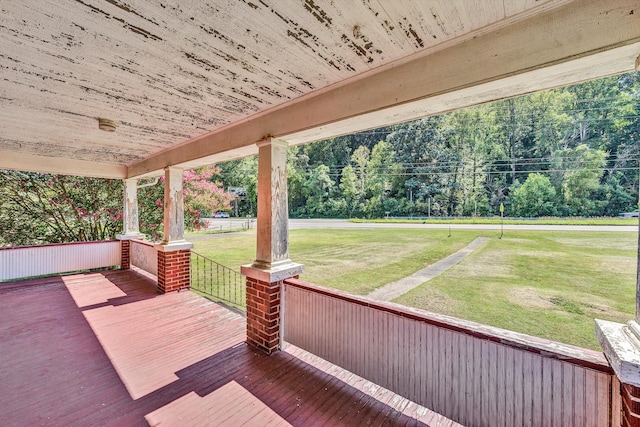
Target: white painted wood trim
{"points": [[28, 261], [29, 162], [144, 255]]}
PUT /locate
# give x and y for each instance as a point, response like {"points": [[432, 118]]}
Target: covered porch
{"points": [[179, 86], [105, 349]]}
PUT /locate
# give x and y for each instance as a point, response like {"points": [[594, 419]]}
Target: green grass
{"points": [[547, 284], [508, 221], [360, 261], [544, 283]]}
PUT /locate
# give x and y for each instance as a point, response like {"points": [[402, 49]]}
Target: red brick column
{"points": [[265, 303], [174, 270], [630, 406], [125, 257], [263, 314]]}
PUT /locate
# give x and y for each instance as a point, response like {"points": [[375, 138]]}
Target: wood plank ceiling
{"points": [[169, 72]]}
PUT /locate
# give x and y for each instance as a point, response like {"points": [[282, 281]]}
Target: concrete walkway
{"points": [[395, 289]]}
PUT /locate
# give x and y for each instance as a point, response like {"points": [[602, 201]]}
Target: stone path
{"points": [[395, 289]]}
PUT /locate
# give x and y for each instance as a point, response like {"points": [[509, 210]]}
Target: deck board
{"points": [[105, 349]]}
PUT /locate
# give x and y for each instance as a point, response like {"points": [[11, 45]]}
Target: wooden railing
{"points": [[41, 260], [474, 374], [144, 256]]}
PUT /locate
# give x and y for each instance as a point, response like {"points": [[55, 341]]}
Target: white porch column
{"points": [[130, 222], [130, 225], [174, 253], [273, 211], [173, 206], [272, 264]]}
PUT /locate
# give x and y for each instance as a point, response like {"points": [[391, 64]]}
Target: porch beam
{"points": [[15, 160], [581, 40]]}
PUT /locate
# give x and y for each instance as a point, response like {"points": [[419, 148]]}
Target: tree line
{"points": [[571, 151]]}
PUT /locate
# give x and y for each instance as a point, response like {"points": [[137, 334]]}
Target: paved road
{"points": [[240, 223], [344, 224]]}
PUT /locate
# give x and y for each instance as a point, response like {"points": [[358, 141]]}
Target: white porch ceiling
{"points": [[195, 82]]}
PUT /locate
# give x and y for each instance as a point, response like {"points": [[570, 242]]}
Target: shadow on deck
{"points": [[105, 349]]}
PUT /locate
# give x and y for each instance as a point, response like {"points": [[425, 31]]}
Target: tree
{"points": [[297, 164], [38, 208], [534, 198], [380, 171], [202, 197], [360, 159], [318, 187], [350, 191], [583, 167]]}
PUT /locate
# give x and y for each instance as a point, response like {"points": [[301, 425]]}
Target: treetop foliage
{"points": [[576, 147]]}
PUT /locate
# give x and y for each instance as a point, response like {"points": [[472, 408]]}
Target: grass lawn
{"points": [[507, 221], [548, 284]]}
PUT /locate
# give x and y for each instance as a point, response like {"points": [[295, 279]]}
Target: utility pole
{"points": [[501, 220]]}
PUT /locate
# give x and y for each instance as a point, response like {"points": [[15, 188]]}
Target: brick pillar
{"points": [[263, 314], [630, 406], [125, 257], [174, 270], [264, 304]]}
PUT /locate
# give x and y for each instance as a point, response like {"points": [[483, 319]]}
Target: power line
{"points": [[480, 172]]}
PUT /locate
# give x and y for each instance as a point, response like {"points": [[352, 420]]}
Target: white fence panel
{"points": [[27, 261], [145, 256]]}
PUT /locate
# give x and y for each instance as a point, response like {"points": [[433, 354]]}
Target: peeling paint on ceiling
{"points": [[169, 71]]}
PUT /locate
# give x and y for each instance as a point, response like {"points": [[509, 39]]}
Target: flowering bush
{"points": [[202, 197], [38, 208]]}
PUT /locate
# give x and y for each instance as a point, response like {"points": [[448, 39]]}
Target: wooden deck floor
{"points": [[103, 349]]}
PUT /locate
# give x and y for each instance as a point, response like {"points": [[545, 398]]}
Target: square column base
{"points": [[621, 346], [125, 248], [264, 304], [174, 267]]}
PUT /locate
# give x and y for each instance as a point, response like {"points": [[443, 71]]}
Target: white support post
{"points": [[174, 253], [130, 226], [130, 222], [272, 264], [273, 212], [173, 207]]}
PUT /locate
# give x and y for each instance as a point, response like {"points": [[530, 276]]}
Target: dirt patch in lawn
{"points": [[430, 299], [529, 297]]}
